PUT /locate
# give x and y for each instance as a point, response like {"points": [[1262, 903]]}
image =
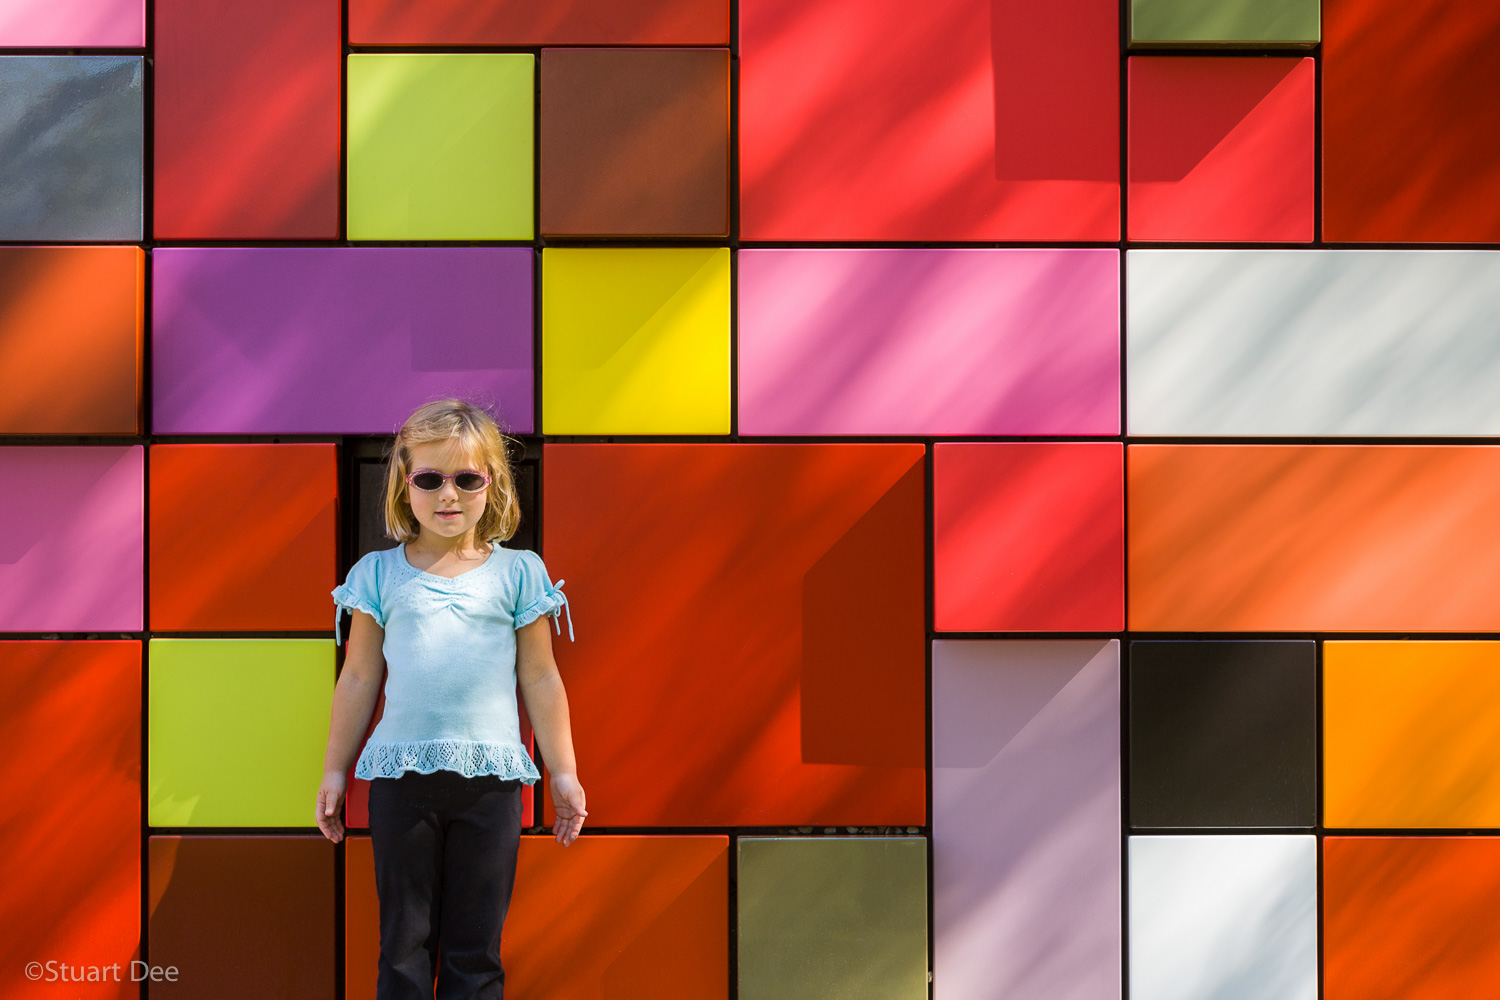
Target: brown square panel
{"points": [[635, 142]]}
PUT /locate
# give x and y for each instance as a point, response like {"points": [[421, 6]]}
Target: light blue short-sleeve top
{"points": [[450, 654]]}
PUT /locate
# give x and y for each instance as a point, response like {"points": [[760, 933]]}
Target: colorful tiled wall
{"points": [[1025, 474]]}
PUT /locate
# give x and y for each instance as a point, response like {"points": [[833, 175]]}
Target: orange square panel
{"points": [[70, 830], [1313, 538], [750, 630], [1411, 918], [242, 536]]}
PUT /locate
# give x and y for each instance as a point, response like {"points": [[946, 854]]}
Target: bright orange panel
{"points": [[1411, 734], [1411, 918], [242, 536], [750, 630], [619, 918], [361, 920], [1268, 538], [72, 323], [70, 825]]}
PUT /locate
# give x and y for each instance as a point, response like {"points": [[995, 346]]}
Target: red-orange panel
{"points": [[71, 339], [943, 120], [70, 826], [1270, 538], [527, 22], [361, 920], [1411, 918], [242, 536], [1411, 123], [751, 647], [247, 119]]}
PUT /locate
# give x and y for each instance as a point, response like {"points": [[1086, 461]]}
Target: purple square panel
{"points": [[346, 340], [929, 342], [72, 557], [1026, 819]]}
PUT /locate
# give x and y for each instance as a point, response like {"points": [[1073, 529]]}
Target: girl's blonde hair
{"points": [[478, 433]]}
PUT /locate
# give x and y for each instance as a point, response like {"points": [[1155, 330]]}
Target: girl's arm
{"points": [[547, 706], [354, 698]]}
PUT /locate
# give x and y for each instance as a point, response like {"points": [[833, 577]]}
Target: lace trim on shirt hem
{"points": [[468, 757]]}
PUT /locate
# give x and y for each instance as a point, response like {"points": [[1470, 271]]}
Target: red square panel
{"points": [[1029, 537], [70, 830], [751, 646], [529, 22], [1221, 149], [242, 536], [946, 120], [1411, 121]]}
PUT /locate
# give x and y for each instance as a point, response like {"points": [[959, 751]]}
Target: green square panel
{"points": [[825, 917], [238, 729], [440, 146], [1240, 23]]}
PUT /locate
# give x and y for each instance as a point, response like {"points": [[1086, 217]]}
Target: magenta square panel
{"points": [[346, 340], [1026, 819], [929, 342], [72, 557]]}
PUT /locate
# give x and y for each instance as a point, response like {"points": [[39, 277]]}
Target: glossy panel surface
{"points": [[336, 341], [361, 920], [1026, 819], [73, 23], [1248, 23], [522, 22], [845, 341], [1308, 538]]}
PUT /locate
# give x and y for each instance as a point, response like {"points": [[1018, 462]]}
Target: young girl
{"points": [[458, 620]]}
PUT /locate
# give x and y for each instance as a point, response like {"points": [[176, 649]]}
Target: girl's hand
{"points": [[567, 799], [330, 797]]}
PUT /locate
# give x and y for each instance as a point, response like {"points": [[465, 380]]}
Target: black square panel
{"points": [[1223, 734]]}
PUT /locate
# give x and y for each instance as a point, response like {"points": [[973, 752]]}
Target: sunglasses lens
{"points": [[427, 481], [469, 482]]}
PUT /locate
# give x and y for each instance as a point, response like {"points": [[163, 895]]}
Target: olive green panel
{"points": [[238, 729], [1241, 23], [824, 918]]}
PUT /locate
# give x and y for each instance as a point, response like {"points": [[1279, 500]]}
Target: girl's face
{"points": [[449, 512]]}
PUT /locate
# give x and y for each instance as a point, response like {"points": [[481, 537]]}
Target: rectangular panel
{"points": [[238, 728], [80, 568], [1247, 23], [952, 120], [72, 339], [336, 341], [361, 920], [1306, 538], [1226, 916], [1223, 734], [71, 835], [757, 622], [1411, 734], [247, 119], [73, 24], [74, 135], [1410, 918], [1026, 819], [832, 917], [929, 342], [243, 917], [525, 22], [1411, 145], [1313, 342], [635, 142]]}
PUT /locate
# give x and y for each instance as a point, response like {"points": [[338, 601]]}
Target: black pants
{"points": [[445, 862]]}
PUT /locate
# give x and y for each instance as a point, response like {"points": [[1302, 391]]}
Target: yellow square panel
{"points": [[635, 341]]}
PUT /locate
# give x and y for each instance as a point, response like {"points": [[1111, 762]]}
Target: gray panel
{"points": [[1313, 342], [71, 138]]}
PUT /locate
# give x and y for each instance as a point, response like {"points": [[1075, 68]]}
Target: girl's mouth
{"points": [[449, 513]]}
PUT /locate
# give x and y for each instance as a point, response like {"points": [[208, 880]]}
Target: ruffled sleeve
{"points": [[360, 591], [536, 595]]}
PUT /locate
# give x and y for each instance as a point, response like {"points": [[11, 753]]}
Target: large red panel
{"points": [[242, 536], [1411, 121], [70, 828], [248, 119], [528, 22], [1221, 149], [750, 648], [948, 120], [1029, 537]]}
